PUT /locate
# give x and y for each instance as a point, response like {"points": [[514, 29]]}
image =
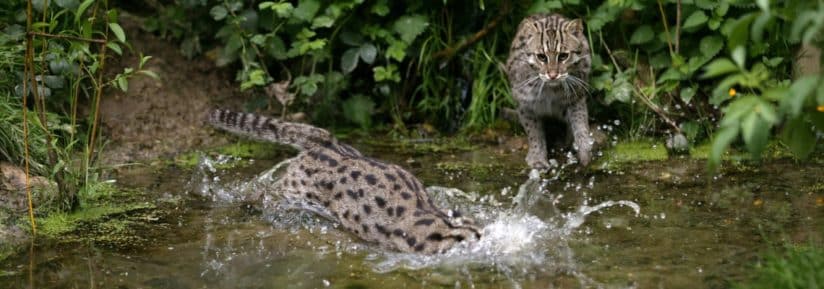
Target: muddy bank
{"points": [[159, 118]]}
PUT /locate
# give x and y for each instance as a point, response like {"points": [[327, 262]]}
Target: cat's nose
{"points": [[553, 75]]}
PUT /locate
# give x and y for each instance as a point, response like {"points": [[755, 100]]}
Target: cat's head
{"points": [[556, 47], [447, 234]]}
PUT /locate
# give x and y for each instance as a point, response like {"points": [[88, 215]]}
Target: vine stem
{"points": [[677, 26], [640, 94], [450, 51], [666, 26]]}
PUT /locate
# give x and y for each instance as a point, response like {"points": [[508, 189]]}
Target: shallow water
{"points": [[646, 225]]}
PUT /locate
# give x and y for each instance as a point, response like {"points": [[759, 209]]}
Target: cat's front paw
{"points": [[540, 164], [584, 157]]}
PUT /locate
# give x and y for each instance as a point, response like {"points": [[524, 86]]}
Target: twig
{"points": [[451, 50], [69, 37], [26, 133], [678, 26], [640, 94], [666, 27], [97, 95]]}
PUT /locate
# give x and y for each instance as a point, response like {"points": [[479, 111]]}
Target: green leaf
{"points": [[275, 47], [358, 109], [755, 132], [739, 32], [738, 109], [722, 140], [642, 35], [621, 88], [764, 5], [799, 90], [283, 9], [368, 52], [306, 10], [714, 23], [410, 26], [114, 47], [719, 67], [706, 4], [767, 112], [258, 39], [799, 137], [82, 9], [149, 73], [218, 12], [721, 91], [711, 45], [670, 74], [695, 19], [687, 93], [722, 8], [758, 25], [349, 60], [256, 78], [123, 83], [690, 129], [380, 8], [386, 73], [396, 50], [739, 55], [323, 22], [118, 32], [308, 85]]}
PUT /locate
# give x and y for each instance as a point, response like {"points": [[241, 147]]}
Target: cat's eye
{"points": [[563, 56], [542, 57]]}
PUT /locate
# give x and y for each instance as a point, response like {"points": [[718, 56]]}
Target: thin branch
{"points": [[69, 37], [666, 26], [26, 126], [448, 52], [678, 26], [639, 93]]}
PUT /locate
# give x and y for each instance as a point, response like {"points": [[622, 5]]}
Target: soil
{"points": [[160, 118]]}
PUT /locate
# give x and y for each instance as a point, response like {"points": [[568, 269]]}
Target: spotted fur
{"points": [[379, 202], [548, 70]]}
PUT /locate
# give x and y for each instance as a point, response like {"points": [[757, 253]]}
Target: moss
{"points": [[407, 145], [58, 224], [643, 150], [701, 151]]}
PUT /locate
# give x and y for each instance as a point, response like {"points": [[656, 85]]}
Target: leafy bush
{"points": [[701, 68], [799, 267], [354, 60], [53, 55]]}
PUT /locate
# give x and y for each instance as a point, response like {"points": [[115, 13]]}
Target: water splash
{"points": [[515, 241]]}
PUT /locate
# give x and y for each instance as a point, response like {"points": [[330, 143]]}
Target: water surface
{"points": [[570, 228]]}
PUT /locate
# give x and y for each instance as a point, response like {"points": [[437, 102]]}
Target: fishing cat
{"points": [[378, 202], [548, 69]]}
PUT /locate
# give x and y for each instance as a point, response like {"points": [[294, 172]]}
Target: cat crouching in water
{"points": [[378, 202]]}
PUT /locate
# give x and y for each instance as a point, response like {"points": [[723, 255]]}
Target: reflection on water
{"points": [[563, 230]]}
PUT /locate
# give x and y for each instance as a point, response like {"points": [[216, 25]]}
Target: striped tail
{"points": [[298, 135]]}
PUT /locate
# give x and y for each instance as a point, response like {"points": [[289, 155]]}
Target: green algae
{"points": [[57, 224], [240, 152]]}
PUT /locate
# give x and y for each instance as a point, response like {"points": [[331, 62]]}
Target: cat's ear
{"points": [[576, 26]]}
